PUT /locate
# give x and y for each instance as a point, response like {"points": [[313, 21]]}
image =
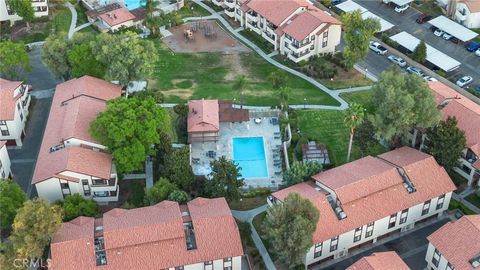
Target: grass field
{"points": [[346, 79], [264, 45], [474, 199], [361, 97], [212, 75]]}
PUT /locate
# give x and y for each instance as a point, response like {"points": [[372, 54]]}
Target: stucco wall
{"points": [[5, 162]]}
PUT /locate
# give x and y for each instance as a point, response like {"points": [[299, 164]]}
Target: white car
{"points": [[477, 52], [397, 60], [464, 81], [401, 9], [429, 79], [446, 36], [415, 70], [438, 33], [377, 47]]}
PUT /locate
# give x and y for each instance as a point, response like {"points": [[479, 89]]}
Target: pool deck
{"points": [[224, 147]]}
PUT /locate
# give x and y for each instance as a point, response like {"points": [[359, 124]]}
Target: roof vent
{"points": [[475, 262], [56, 147], [318, 188]]}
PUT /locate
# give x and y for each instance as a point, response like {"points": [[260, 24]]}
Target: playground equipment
{"points": [[189, 35], [209, 31]]}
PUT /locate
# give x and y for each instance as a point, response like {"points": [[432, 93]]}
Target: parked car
{"points": [[415, 70], [397, 60], [29, 87], [401, 9], [377, 47], [455, 40], [465, 80], [423, 18], [473, 46], [446, 36], [477, 52], [429, 79], [438, 32]]}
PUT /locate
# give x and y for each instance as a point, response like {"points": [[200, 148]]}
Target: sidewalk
{"points": [[470, 206], [73, 22]]}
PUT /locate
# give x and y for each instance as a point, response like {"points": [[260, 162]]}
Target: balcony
{"points": [[460, 16], [298, 55], [230, 4], [298, 45], [103, 182]]}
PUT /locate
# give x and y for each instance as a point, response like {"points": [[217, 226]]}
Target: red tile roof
{"points": [[365, 198], [75, 104], [473, 5], [388, 260], [153, 237], [203, 116], [117, 16], [458, 241], [7, 98], [466, 111], [276, 11], [307, 22]]}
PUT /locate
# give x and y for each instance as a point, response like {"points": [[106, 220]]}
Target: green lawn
{"points": [[192, 10], [211, 75], [429, 7], [248, 203], [81, 16], [258, 40], [361, 97], [61, 22], [355, 80], [327, 127], [474, 199], [458, 205]]}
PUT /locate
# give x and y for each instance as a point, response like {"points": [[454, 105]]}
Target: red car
{"points": [[29, 87], [423, 18]]}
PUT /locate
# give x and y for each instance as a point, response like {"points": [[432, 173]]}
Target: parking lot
{"points": [[406, 22]]}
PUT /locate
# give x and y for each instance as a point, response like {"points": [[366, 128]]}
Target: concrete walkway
{"points": [[470, 206], [41, 94], [149, 172], [216, 16], [73, 22], [82, 26], [247, 216]]}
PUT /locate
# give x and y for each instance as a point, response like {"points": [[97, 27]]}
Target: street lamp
{"points": [[304, 103], [366, 71]]}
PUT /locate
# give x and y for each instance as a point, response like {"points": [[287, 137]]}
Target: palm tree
{"points": [[151, 6], [284, 94], [239, 85], [353, 117]]}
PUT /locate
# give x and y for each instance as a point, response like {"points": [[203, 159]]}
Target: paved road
{"points": [[406, 22], [24, 159], [39, 77], [412, 248]]}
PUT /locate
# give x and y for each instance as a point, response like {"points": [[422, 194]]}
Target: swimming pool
{"points": [[249, 153], [132, 4]]}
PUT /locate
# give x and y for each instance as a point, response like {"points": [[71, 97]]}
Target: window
{"points": [[369, 231], [393, 220], [436, 257], [286, 45], [317, 251], [229, 259], [64, 185], [334, 243], [5, 133], [21, 116], [358, 234], [440, 201], [227, 268], [403, 216], [450, 266], [3, 123], [324, 44], [312, 37], [227, 263], [18, 106], [426, 207], [208, 265], [466, 169], [179, 267], [325, 34], [86, 187]]}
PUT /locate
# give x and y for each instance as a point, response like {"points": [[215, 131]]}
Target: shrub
{"points": [[256, 192]]}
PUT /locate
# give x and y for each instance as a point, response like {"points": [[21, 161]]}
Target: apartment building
{"points": [[465, 12], [456, 245], [467, 113], [370, 198], [40, 8], [14, 102], [387, 260], [295, 28], [199, 235], [5, 171], [70, 161]]}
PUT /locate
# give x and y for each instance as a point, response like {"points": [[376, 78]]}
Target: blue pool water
{"points": [[132, 4], [249, 153]]}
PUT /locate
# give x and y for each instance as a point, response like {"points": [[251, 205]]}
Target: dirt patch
{"points": [[236, 67], [184, 94], [208, 36]]}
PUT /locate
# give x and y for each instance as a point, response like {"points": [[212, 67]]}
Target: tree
{"points": [[289, 227], [178, 169], [22, 8], [76, 205], [12, 198], [13, 59], [137, 56], [179, 196], [278, 79], [284, 94], [129, 128], [446, 142], [239, 85], [403, 102], [300, 171], [358, 33], [420, 52], [160, 191], [225, 179], [365, 136], [83, 62], [353, 117], [151, 21], [34, 226]]}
